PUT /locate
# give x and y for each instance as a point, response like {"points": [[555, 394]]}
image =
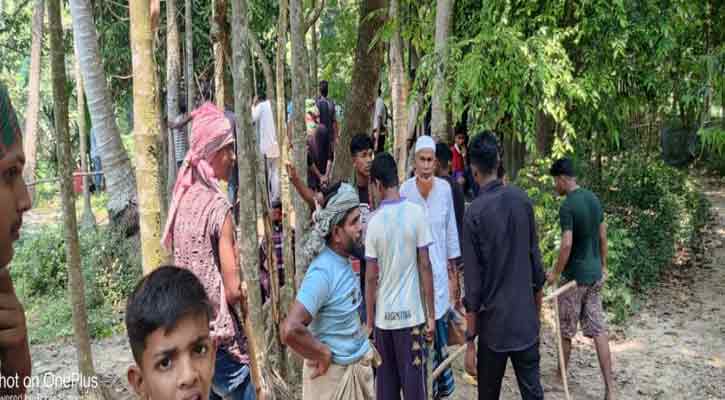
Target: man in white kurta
{"points": [[436, 197], [263, 119]]}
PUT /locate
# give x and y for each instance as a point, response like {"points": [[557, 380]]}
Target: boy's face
{"points": [[460, 139], [14, 197], [177, 364], [363, 161]]}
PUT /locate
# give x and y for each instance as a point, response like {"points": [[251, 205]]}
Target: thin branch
{"points": [[314, 16]]}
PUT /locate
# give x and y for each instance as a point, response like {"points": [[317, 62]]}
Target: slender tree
{"points": [[364, 85], [298, 135], [219, 34], [173, 76], [247, 229], [399, 88], [439, 117], [88, 220], [120, 180], [30, 141], [189, 53], [287, 293], [75, 277], [146, 134]]}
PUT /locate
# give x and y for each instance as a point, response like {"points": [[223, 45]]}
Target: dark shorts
{"points": [[404, 367], [582, 304]]}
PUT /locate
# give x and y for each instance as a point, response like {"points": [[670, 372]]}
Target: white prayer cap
{"points": [[425, 143]]}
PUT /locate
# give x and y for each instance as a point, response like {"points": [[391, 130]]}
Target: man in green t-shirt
{"points": [[582, 258]]}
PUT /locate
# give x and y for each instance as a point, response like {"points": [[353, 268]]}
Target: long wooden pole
{"points": [[559, 340], [553, 296]]}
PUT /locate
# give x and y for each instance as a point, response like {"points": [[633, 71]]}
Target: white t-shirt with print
{"points": [[395, 232]]}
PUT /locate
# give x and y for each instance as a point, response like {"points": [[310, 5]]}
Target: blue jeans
{"points": [[231, 379]]}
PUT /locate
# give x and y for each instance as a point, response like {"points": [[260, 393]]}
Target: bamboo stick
{"points": [[562, 366]]}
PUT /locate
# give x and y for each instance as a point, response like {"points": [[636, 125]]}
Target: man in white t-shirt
{"points": [[436, 197], [263, 120], [398, 267]]}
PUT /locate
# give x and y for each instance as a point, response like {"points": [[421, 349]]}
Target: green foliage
{"points": [[651, 211], [111, 267]]}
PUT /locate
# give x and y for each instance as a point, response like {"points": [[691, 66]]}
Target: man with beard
{"points": [[14, 201], [323, 325], [435, 196]]}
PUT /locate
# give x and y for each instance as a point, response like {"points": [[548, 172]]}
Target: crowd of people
{"points": [[395, 267]]}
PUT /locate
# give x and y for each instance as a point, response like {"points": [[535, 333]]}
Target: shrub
{"points": [[111, 266], [651, 209]]}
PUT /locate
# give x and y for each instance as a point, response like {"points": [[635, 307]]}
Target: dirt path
{"points": [[674, 348]]}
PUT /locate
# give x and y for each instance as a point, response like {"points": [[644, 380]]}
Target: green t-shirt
{"points": [[582, 214]]}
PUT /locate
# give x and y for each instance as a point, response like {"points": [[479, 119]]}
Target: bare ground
{"points": [[674, 348]]}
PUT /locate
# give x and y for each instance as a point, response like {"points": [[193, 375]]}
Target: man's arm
{"points": [[564, 253], [603, 244], [566, 220], [14, 348], [295, 334], [307, 194], [472, 277], [453, 247], [228, 256], [537, 273], [371, 291], [425, 271]]}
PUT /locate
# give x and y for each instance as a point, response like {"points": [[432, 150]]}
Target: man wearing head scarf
{"points": [[200, 231], [436, 197], [323, 325], [15, 363]]}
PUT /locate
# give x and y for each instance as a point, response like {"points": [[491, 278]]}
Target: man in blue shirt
{"points": [[323, 325]]}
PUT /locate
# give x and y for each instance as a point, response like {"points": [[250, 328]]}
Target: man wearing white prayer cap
{"points": [[436, 197]]}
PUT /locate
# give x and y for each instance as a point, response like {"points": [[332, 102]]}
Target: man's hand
{"points": [[321, 366], [291, 171], [430, 330], [470, 360], [14, 350], [461, 180], [13, 331]]}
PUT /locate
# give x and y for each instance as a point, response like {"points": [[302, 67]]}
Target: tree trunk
{"points": [[75, 277], [88, 220], [120, 180], [30, 141], [439, 117], [288, 290], [219, 33], [189, 53], [399, 88], [364, 84], [173, 75], [545, 125], [247, 229], [298, 134], [266, 68], [146, 134], [313, 58]]}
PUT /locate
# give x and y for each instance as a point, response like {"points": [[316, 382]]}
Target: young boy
{"points": [[167, 319], [458, 162]]}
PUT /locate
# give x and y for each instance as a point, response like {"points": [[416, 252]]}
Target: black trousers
{"points": [[492, 366]]}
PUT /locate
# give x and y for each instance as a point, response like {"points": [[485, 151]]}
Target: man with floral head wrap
{"points": [[200, 231], [323, 324], [15, 363]]}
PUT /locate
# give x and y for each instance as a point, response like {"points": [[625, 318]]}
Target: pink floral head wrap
{"points": [[211, 131]]}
